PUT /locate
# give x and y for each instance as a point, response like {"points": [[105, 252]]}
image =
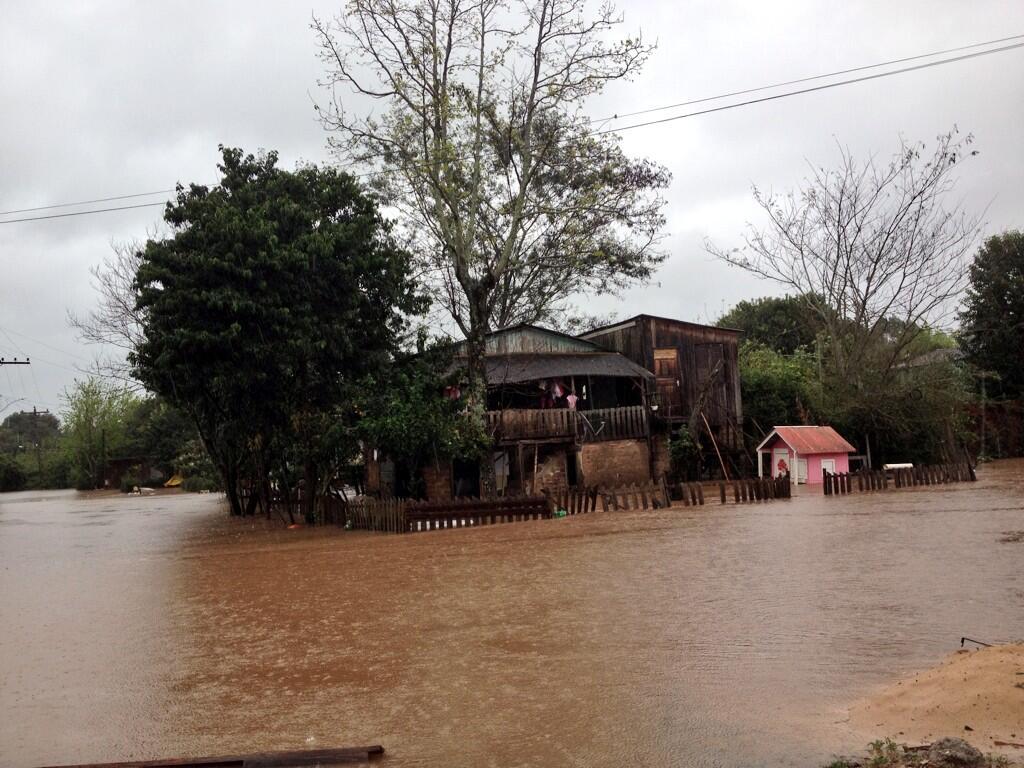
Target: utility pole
{"points": [[14, 361], [38, 438]]}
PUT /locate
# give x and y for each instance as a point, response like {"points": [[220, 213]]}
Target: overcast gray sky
{"points": [[109, 98]]}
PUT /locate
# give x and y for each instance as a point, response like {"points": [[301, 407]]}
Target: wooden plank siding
{"points": [[700, 349]]}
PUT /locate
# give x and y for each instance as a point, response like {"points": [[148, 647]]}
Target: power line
{"points": [[87, 202], [812, 89], [724, 107], [84, 213], [890, 62]]}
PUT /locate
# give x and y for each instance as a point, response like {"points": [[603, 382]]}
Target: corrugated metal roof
{"points": [[512, 369], [525, 339], [805, 440], [629, 321]]}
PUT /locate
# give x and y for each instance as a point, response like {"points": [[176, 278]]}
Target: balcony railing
{"points": [[572, 426], [612, 424]]}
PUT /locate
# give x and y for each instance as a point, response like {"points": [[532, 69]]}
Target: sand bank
{"points": [[976, 695]]}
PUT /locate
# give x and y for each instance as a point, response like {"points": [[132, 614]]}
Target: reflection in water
{"points": [[719, 636]]}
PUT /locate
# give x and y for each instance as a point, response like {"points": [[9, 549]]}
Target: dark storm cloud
{"points": [[110, 98]]}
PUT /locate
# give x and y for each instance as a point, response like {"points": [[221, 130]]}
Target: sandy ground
{"points": [[982, 690]]}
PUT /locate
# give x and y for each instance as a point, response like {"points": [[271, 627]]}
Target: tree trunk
{"points": [[309, 488], [476, 397], [230, 476]]}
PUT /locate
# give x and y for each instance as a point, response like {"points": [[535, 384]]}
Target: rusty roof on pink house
{"points": [[807, 440]]}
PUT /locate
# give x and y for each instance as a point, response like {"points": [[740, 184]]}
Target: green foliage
{"points": [[776, 387], [158, 432], [96, 416], [992, 318], [12, 477], [130, 481], [883, 753], [783, 324], [407, 416], [197, 483], [25, 430], [276, 295], [193, 460], [908, 401], [684, 455]]}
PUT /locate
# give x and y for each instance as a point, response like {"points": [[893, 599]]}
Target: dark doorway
{"points": [[570, 468], [465, 478]]}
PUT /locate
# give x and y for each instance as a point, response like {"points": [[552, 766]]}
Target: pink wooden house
{"points": [[803, 452]]}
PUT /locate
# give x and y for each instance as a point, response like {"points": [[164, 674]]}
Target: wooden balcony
{"points": [[612, 424], [563, 425]]}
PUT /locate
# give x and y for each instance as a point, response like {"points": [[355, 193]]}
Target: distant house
{"points": [[803, 452]]}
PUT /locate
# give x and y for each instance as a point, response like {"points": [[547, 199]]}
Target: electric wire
{"points": [[605, 131]]}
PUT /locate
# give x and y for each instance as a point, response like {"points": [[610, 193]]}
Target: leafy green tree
{"points": [[776, 388], [784, 324], [992, 318], [158, 432], [273, 298], [26, 428], [514, 201], [95, 417], [406, 416]]}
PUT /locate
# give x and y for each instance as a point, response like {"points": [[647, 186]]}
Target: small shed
{"points": [[803, 452]]}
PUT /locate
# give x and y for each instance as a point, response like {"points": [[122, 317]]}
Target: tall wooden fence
{"points": [[842, 483]]}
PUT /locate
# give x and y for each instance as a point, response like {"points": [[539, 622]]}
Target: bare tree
{"points": [[512, 200], [877, 251], [115, 323]]}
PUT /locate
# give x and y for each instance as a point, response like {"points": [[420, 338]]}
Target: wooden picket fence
{"points": [[842, 483], [636, 496], [573, 501], [463, 513], [412, 516], [739, 491]]}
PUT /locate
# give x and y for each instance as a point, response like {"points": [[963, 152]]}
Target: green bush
{"points": [[684, 455], [198, 483], [129, 481], [12, 477]]}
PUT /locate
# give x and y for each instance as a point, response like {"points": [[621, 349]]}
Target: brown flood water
{"points": [[732, 636]]}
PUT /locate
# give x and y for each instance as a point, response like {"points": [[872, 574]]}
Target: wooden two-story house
{"points": [[562, 411]]}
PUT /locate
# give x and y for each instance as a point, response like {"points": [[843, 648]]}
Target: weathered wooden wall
{"points": [[699, 349]]}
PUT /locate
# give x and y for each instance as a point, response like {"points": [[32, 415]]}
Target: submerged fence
{"points": [[842, 483], [740, 491], [412, 516]]}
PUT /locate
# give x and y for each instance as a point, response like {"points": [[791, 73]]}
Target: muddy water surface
{"points": [[720, 636]]}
